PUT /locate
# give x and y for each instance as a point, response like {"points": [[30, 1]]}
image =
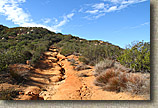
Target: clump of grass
{"points": [[112, 78], [82, 67], [122, 68], [102, 66], [138, 84], [8, 94], [72, 61]]}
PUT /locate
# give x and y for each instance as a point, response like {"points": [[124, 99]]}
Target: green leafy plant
{"points": [[137, 56]]}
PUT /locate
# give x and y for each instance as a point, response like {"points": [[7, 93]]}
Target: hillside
{"points": [[34, 58], [34, 41]]}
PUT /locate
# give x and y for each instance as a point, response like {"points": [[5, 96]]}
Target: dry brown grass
{"points": [[82, 67], [111, 80], [117, 79], [102, 66]]}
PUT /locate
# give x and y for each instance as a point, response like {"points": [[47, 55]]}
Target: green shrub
{"points": [[137, 56]]}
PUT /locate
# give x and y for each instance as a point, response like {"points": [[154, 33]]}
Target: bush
{"points": [[115, 80], [72, 61], [91, 52], [137, 56], [82, 67], [11, 57], [27, 54], [103, 65], [139, 84]]}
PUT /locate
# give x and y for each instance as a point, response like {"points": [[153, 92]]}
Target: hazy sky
{"points": [[117, 21]]}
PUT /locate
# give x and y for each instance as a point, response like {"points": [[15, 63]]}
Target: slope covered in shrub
{"points": [[15, 42]]}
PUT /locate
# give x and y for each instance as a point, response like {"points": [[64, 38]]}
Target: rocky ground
{"points": [[55, 78]]}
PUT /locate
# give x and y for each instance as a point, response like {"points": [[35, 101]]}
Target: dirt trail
{"points": [[59, 81]]}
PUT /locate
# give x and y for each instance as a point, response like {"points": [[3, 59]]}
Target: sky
{"points": [[119, 22]]}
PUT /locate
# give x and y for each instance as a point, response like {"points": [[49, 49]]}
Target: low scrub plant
{"points": [[116, 80], [8, 94], [82, 67], [103, 65]]}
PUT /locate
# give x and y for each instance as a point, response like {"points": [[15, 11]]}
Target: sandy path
{"points": [[82, 88]]}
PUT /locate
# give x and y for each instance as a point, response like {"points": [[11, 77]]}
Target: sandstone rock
{"points": [[57, 67], [48, 61], [32, 90], [53, 47], [61, 57], [27, 97], [54, 50], [31, 93], [56, 72], [28, 62], [60, 63], [56, 78], [48, 53], [54, 54], [42, 80], [84, 88], [53, 59]]}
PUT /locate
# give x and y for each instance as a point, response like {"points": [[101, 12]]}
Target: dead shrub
{"points": [[122, 68], [116, 80], [102, 66], [111, 80], [72, 61], [138, 84], [82, 67], [106, 64]]}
